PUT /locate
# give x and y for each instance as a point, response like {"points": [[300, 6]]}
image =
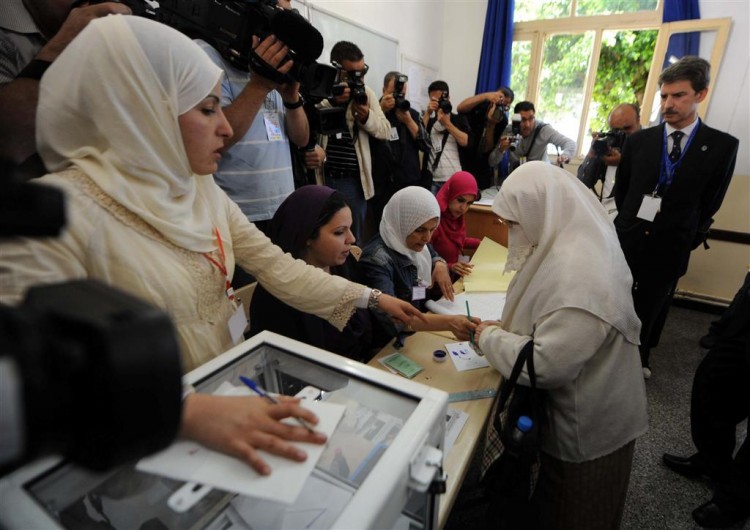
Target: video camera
{"points": [[88, 371], [229, 26], [606, 141], [444, 103], [399, 92]]}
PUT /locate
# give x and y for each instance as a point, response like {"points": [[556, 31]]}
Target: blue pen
{"points": [[268, 397]]}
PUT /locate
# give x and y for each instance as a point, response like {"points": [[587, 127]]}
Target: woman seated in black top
{"points": [[400, 261], [314, 224]]}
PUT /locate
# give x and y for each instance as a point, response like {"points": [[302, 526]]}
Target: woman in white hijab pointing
{"points": [[401, 262], [571, 297], [130, 126]]}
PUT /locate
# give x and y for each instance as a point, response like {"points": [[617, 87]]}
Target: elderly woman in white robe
{"points": [[571, 297]]}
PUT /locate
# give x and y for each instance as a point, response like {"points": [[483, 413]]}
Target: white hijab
{"points": [[109, 106], [408, 209], [573, 257]]}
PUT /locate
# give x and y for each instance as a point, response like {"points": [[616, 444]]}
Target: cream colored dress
{"points": [[106, 242]]}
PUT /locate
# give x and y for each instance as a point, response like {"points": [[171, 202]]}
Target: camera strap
{"points": [[440, 153], [533, 139]]}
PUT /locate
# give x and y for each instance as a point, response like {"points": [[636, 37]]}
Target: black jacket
{"points": [[660, 250]]}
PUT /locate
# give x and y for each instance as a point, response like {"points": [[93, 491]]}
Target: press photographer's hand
{"points": [[387, 102], [612, 158], [361, 111]]}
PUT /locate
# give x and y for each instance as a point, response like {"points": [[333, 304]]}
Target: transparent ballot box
{"points": [[381, 467]]}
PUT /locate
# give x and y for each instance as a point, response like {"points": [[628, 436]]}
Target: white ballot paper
{"points": [[486, 306], [464, 356], [190, 461]]}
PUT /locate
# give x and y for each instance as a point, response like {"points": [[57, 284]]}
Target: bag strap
{"points": [[525, 356]]}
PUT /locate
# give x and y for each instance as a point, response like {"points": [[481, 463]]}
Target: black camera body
{"points": [[606, 141], [399, 92], [356, 82], [501, 109], [444, 103], [98, 371], [515, 132]]}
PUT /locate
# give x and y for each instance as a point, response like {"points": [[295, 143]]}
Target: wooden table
{"points": [[419, 347], [481, 221]]}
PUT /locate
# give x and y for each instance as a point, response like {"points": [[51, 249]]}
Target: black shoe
{"points": [[690, 467], [712, 515]]}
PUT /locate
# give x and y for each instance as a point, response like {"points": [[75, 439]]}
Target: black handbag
{"points": [[511, 477]]}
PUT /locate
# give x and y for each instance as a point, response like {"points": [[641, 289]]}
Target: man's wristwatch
{"points": [[372, 302]]}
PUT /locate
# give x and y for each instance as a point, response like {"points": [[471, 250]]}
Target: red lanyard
{"points": [[221, 266]]}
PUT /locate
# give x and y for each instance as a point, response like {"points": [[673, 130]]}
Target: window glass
{"points": [[561, 85], [539, 10], [519, 71], [611, 7], [621, 75]]}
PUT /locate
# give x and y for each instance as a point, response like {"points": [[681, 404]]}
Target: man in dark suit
{"points": [[670, 182], [719, 402]]}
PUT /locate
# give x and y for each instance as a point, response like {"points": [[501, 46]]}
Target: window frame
{"points": [[538, 31]]}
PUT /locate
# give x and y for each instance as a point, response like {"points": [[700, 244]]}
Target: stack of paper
{"points": [[487, 274]]}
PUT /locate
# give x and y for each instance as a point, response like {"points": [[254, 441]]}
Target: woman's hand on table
{"points": [[441, 276], [461, 268], [239, 426]]}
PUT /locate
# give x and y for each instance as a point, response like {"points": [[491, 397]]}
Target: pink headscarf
{"points": [[448, 239]]}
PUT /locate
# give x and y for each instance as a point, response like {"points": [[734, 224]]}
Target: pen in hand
{"points": [[468, 315], [252, 385]]}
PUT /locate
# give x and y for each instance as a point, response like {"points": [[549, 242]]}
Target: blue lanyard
{"points": [[668, 167]]}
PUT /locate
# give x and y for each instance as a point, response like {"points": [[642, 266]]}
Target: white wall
{"points": [[416, 24], [463, 29]]}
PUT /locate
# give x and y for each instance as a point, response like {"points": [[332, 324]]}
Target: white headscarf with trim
{"points": [[109, 105], [408, 209], [572, 255]]}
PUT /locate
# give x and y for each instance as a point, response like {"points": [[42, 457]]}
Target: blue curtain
{"points": [[684, 43], [494, 63]]}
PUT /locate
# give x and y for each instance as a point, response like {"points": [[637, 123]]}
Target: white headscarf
{"points": [[109, 106], [576, 261], [408, 209]]}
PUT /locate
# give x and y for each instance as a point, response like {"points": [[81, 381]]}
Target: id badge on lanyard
{"points": [[237, 322]]}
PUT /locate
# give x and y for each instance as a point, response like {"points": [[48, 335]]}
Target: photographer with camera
{"points": [[531, 140], [488, 113], [603, 157], [256, 167], [396, 162], [32, 34], [343, 161], [450, 135]]}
